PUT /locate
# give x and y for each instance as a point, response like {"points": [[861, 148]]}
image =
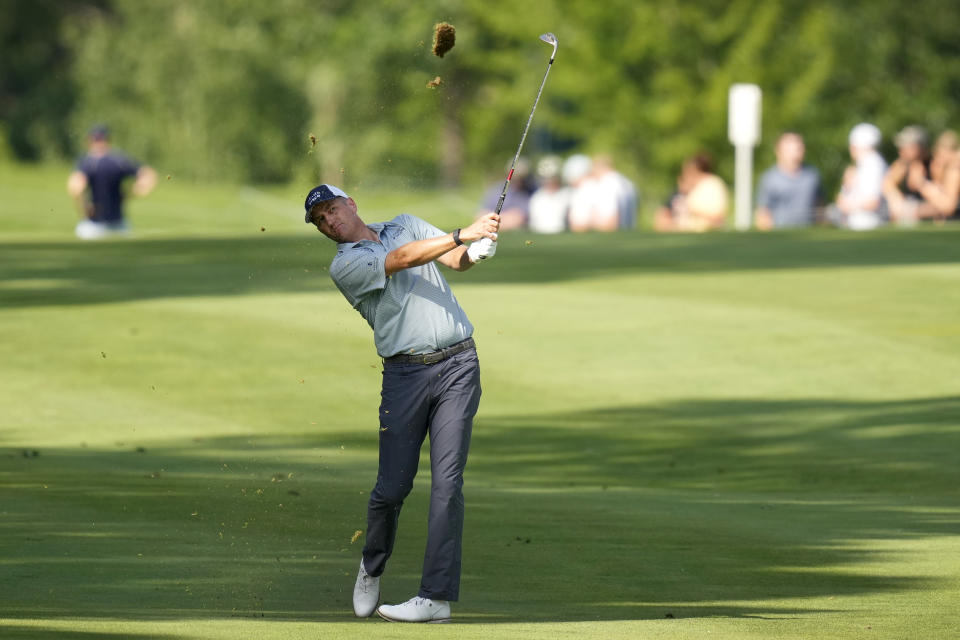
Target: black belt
{"points": [[433, 357]]}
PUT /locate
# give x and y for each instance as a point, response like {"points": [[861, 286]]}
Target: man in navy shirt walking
{"points": [[96, 186]]}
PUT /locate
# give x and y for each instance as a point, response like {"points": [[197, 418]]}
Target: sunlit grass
{"points": [[727, 436]]}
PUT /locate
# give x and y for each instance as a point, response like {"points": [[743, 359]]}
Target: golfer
{"points": [[431, 382]]}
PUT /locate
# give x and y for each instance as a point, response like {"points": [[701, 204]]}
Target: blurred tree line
{"points": [[232, 90]]}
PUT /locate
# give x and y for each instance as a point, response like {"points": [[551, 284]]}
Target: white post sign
{"points": [[743, 129]]}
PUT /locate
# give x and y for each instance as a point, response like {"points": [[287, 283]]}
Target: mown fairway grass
{"points": [[724, 436]]}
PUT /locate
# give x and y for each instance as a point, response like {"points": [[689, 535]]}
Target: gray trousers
{"points": [[440, 399]]}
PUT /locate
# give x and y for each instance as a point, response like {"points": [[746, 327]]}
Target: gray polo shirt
{"points": [[791, 198], [411, 311]]}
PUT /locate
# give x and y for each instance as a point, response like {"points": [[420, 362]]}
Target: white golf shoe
{"points": [[416, 610], [366, 593]]}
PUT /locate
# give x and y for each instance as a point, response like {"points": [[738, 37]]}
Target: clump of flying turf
{"points": [[444, 37]]}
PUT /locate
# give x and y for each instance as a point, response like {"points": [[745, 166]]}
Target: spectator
{"points": [[941, 193], [789, 192], [603, 199], [907, 175], [96, 186], [549, 203], [516, 206], [578, 176], [859, 204], [617, 194], [701, 201]]}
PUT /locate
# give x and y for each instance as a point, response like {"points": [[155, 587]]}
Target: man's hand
{"points": [[483, 235], [486, 226], [764, 219], [481, 250]]}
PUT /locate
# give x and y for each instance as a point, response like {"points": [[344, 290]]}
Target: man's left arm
{"points": [[145, 181], [458, 260], [466, 256]]}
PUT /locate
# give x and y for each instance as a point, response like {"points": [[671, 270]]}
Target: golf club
{"points": [[550, 39]]}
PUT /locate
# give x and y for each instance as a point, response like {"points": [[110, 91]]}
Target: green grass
{"points": [[725, 436]]}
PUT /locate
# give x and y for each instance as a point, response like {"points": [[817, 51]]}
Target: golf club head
{"points": [[550, 39]]}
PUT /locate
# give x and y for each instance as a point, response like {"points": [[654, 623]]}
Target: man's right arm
{"points": [[76, 185], [763, 218], [442, 248], [358, 272]]}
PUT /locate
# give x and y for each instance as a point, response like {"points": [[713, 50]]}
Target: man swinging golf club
{"points": [[431, 382]]}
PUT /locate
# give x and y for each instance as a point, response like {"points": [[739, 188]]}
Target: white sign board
{"points": [[743, 127]]}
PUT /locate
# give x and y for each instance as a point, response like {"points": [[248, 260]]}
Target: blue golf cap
{"points": [[99, 131], [321, 194]]}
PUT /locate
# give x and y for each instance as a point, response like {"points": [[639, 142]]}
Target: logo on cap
{"points": [[321, 194]]}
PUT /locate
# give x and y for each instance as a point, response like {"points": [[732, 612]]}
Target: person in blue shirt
{"points": [[789, 194], [388, 272], [96, 186]]}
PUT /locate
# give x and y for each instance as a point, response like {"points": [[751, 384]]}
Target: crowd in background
{"points": [[921, 184], [589, 194], [582, 193], [577, 194]]}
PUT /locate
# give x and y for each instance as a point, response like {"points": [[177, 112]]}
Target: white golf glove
{"points": [[481, 249]]}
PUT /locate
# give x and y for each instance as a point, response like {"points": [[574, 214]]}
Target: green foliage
{"points": [[36, 87], [206, 98], [232, 90]]}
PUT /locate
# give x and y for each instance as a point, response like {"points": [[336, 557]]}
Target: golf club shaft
{"points": [[506, 184]]}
